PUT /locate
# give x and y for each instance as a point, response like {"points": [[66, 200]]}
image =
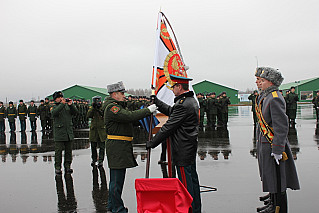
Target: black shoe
{"points": [[100, 164], [259, 209], [58, 171], [267, 202], [69, 171], [269, 209], [263, 198]]}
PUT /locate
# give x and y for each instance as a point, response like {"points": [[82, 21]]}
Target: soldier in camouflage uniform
{"points": [[119, 149], [61, 113], [32, 113], [12, 115], [97, 135], [22, 113], [3, 114], [291, 103], [315, 102]]}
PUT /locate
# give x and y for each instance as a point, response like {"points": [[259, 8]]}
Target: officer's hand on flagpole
{"points": [[277, 157], [149, 145], [152, 108]]}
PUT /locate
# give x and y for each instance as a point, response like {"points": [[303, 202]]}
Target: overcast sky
{"points": [[49, 45]]}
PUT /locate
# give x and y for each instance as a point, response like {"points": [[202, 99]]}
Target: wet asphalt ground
{"points": [[226, 160]]}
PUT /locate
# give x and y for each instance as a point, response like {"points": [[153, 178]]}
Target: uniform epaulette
{"points": [[274, 94], [182, 100]]}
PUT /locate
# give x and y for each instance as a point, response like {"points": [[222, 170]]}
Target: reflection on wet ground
{"points": [[226, 160]]}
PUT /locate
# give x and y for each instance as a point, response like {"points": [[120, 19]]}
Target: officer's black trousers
{"points": [[189, 178]]}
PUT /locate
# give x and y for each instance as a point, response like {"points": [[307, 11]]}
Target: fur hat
{"points": [[272, 75], [117, 87], [258, 71]]}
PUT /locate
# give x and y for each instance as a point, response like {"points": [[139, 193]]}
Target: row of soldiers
{"points": [[22, 111], [291, 99], [215, 107]]}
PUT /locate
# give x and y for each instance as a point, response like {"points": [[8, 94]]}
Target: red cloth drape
{"points": [[162, 195]]}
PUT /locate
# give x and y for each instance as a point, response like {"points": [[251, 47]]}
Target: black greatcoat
{"points": [[181, 127]]}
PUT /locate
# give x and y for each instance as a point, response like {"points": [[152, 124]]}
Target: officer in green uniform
{"points": [[97, 135], [2, 117], [119, 149], [202, 107], [62, 112], [41, 111], [22, 113], [32, 113], [212, 104], [224, 102], [315, 102], [253, 97], [291, 103], [12, 115]]}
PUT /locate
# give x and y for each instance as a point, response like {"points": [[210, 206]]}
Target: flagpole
{"points": [[150, 134]]}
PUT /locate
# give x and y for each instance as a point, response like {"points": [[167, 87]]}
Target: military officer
{"points": [[63, 136], [315, 102], [97, 134], [276, 163], [32, 113], [182, 128], [119, 150], [3, 114], [12, 115], [212, 103], [291, 103], [253, 98], [22, 113], [41, 111]]}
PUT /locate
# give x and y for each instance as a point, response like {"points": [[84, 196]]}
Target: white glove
{"points": [[152, 108], [277, 157]]}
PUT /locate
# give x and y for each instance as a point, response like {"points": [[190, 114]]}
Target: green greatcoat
{"points": [[62, 121], [118, 122], [97, 127], [32, 112], [11, 113], [22, 111]]}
